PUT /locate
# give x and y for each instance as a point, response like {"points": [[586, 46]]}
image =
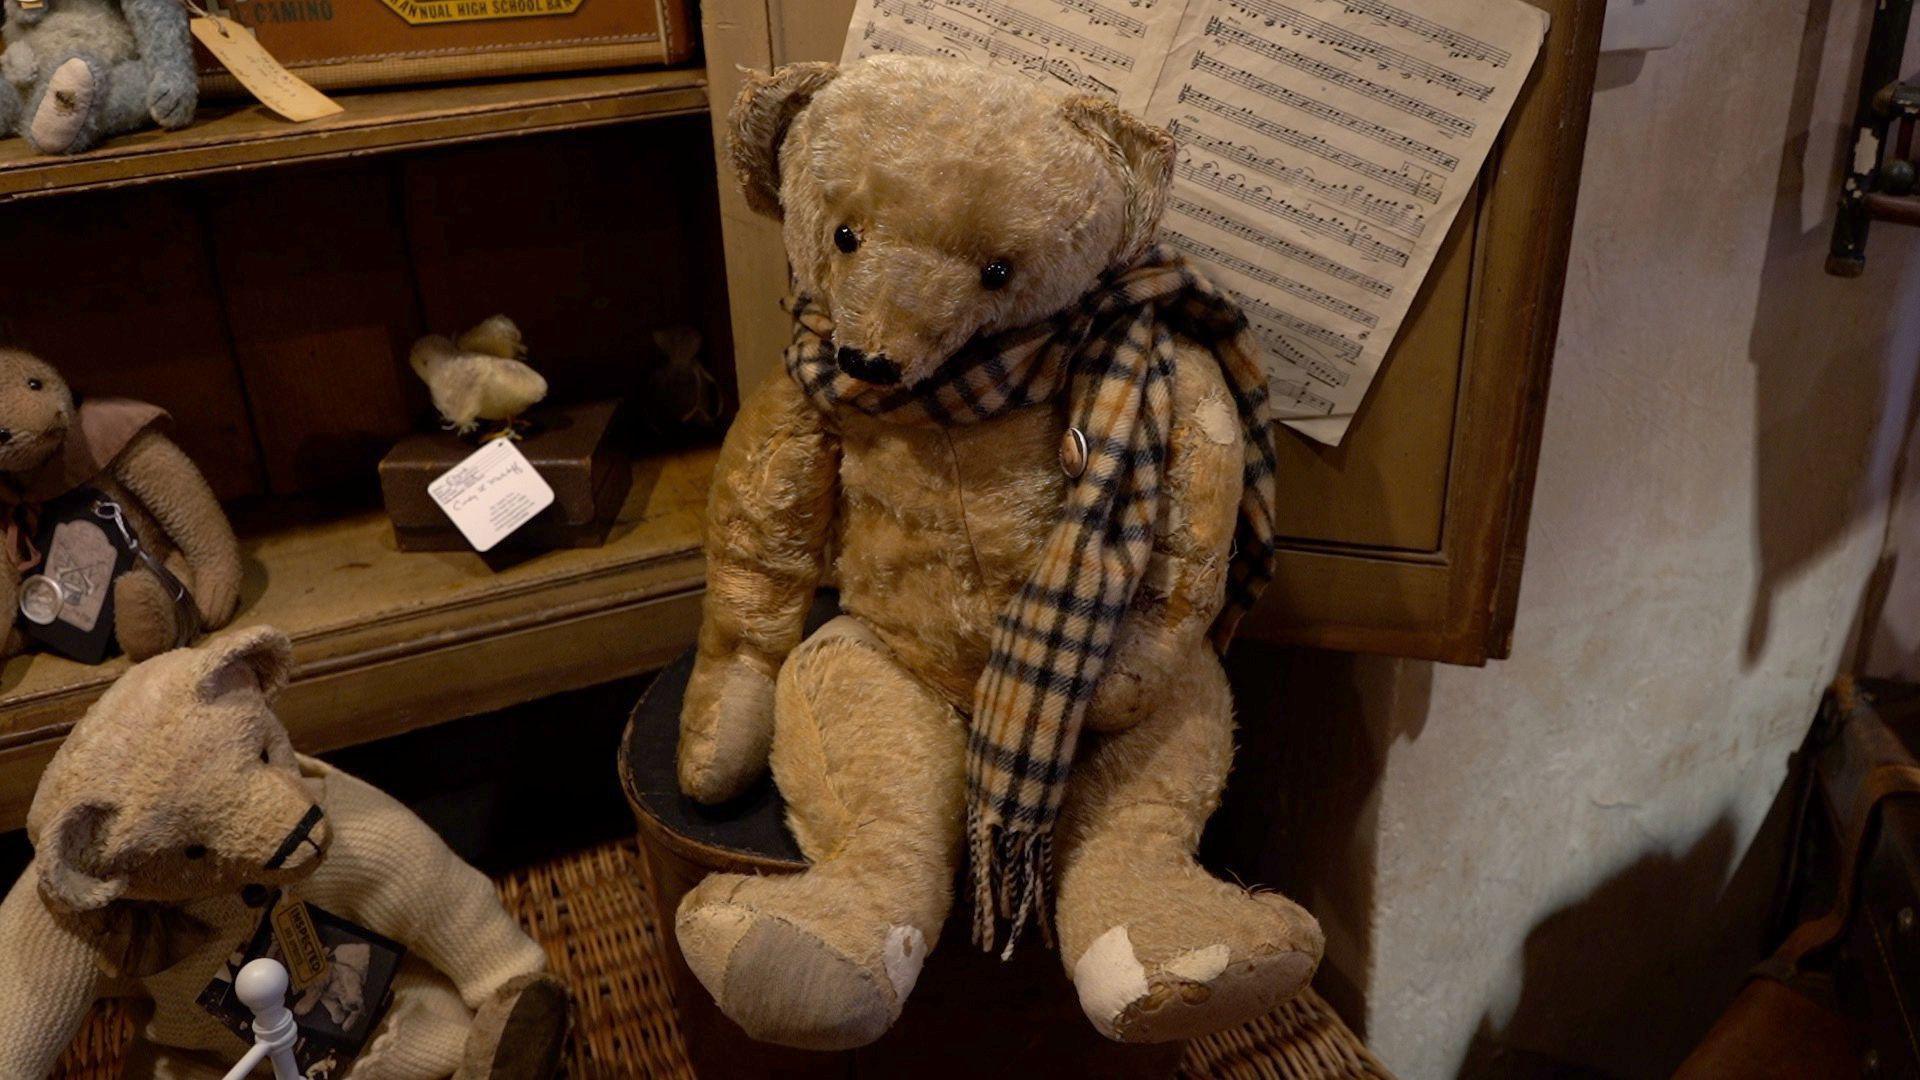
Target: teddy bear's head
{"points": [[36, 409], [925, 202], [178, 783]]}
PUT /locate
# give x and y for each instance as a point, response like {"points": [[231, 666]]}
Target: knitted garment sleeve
{"points": [[47, 982], [391, 873]]}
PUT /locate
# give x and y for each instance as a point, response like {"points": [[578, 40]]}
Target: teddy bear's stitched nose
{"points": [[873, 369]]}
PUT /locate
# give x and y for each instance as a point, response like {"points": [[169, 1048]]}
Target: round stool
{"points": [[971, 1015]]}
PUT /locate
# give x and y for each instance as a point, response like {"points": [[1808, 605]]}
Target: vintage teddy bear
{"points": [[1038, 448], [49, 449], [77, 71], [173, 808]]}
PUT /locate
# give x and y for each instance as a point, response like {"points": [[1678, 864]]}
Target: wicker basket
{"points": [[589, 911]]}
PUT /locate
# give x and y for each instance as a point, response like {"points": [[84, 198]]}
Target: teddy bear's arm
{"points": [[396, 876], [769, 515], [159, 30], [172, 489], [47, 982], [1185, 581]]}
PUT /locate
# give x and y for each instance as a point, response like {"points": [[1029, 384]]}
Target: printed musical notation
{"points": [[1228, 34], [1419, 185], [1390, 214], [1325, 145], [1233, 186], [1459, 46], [1276, 14], [1208, 252], [1320, 110]]}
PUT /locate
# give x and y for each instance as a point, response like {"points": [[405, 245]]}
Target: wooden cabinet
{"points": [[1409, 537]]}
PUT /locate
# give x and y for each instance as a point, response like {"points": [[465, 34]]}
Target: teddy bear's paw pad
{"points": [[1195, 993], [63, 111], [783, 984], [520, 1034]]}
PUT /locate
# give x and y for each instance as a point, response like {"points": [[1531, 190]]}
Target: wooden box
{"points": [[571, 447], [336, 44]]}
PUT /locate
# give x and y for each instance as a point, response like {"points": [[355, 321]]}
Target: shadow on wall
{"points": [[1817, 342], [1624, 978], [1300, 813]]}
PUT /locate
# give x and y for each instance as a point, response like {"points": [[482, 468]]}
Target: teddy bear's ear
{"points": [[257, 658], [1144, 155], [758, 125], [67, 859]]}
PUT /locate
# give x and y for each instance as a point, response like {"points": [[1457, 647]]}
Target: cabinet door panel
{"points": [[1385, 485], [1408, 538]]}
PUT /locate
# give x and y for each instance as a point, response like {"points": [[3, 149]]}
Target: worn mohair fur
{"points": [[77, 71], [941, 168], [172, 795], [166, 501]]}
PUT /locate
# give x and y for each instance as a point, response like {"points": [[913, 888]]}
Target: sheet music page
{"points": [[1325, 145], [1114, 48]]}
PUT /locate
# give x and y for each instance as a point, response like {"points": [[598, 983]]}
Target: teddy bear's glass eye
{"points": [[195, 851], [995, 274], [34, 384], [845, 240]]}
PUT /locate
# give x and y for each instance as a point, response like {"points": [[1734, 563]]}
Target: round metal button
{"points": [[1073, 453], [41, 599]]}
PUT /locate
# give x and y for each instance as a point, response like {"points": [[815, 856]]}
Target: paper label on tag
{"points": [[263, 76], [299, 942], [491, 493]]}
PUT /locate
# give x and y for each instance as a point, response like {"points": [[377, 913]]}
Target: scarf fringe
{"points": [[1012, 884]]}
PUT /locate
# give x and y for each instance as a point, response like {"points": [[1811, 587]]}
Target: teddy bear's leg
{"points": [[145, 621], [151, 1061], [1157, 947], [872, 765], [424, 1034], [63, 114]]}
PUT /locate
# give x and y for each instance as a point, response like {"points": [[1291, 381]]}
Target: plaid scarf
{"points": [[1113, 355]]}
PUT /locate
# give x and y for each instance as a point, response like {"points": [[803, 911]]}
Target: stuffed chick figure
{"points": [[166, 821], [1038, 446], [53, 450], [77, 71], [482, 376]]}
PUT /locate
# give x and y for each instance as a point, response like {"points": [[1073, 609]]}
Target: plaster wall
{"points": [[1554, 859]]}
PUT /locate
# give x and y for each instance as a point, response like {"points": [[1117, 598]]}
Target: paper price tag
{"points": [[491, 493], [263, 76]]}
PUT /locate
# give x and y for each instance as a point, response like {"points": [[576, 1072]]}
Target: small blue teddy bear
{"points": [[77, 71]]}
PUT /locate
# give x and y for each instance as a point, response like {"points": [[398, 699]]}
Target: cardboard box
{"points": [[336, 44]]}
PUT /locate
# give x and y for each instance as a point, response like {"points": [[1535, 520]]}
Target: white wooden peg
{"points": [[262, 987]]}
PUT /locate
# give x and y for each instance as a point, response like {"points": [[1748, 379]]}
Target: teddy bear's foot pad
{"points": [[783, 984], [520, 1034], [64, 108], [1195, 993]]}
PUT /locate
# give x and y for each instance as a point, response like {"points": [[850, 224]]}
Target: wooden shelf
{"points": [[230, 136], [386, 641]]}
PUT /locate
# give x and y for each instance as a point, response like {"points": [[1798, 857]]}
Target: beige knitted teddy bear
{"points": [[163, 821], [1038, 449]]}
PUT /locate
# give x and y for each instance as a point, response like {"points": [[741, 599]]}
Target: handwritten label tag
{"points": [[299, 942], [263, 76], [491, 493]]}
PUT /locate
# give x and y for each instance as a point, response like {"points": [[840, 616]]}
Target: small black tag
{"points": [[335, 1014], [66, 599]]}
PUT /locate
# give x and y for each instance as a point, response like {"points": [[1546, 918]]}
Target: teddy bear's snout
{"points": [[305, 843], [867, 367]]}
